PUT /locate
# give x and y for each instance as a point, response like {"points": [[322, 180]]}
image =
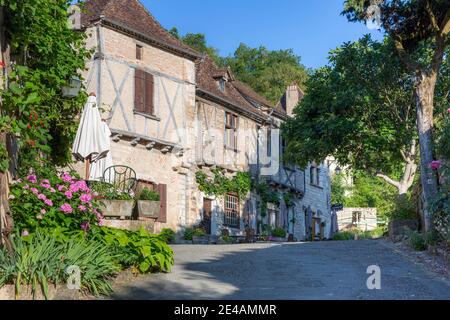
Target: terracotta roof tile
{"points": [[207, 82], [132, 15]]}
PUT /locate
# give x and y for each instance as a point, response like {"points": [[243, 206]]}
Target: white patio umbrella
{"points": [[92, 142], [98, 167]]}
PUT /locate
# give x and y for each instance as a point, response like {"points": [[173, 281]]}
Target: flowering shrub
{"points": [[59, 200]]}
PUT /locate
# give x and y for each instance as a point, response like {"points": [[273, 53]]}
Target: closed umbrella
{"points": [[99, 166], [92, 142]]}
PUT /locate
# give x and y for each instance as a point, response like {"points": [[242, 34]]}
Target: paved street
{"points": [[320, 270]]}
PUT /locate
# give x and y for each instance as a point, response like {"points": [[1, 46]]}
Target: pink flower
{"points": [[82, 186], [42, 197], [60, 187], [52, 190], [32, 178], [45, 184], [35, 191], [85, 226], [100, 222], [25, 233], [49, 202], [448, 110], [81, 208], [66, 177], [68, 194], [66, 208], [74, 187], [20, 180], [26, 187], [435, 165], [85, 198], [43, 211]]}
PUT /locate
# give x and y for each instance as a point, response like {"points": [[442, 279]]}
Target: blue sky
{"points": [[310, 27]]}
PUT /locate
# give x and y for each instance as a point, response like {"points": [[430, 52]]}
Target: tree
{"points": [[360, 109], [197, 41], [267, 72], [415, 27]]}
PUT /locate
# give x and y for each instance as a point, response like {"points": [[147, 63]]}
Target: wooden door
{"points": [[207, 214]]}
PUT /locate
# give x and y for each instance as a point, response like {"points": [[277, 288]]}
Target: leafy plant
{"points": [[106, 191], [40, 259], [279, 233], [168, 235], [148, 195], [144, 251], [190, 233]]}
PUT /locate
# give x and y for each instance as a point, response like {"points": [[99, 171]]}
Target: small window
{"points": [[143, 94], [314, 175], [231, 217], [222, 85], [139, 52], [231, 130], [269, 142]]}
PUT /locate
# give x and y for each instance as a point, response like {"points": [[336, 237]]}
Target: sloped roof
{"points": [[132, 16], [207, 83]]}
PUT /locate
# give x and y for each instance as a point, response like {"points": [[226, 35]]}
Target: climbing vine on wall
{"points": [[45, 54], [219, 184], [267, 196]]}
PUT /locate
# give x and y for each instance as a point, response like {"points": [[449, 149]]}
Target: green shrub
{"points": [[417, 241], [344, 235], [148, 195], [107, 191], [141, 250], [39, 259], [190, 233], [279, 233], [168, 235]]}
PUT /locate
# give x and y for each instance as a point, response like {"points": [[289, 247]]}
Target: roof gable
{"points": [[134, 17]]}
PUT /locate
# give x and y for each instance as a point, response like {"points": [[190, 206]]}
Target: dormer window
{"points": [[222, 85]]}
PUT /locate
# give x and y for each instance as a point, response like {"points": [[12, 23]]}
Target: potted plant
{"points": [[148, 204], [115, 203], [278, 235], [197, 235]]}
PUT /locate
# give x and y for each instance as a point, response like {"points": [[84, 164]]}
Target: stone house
{"points": [[172, 112]]}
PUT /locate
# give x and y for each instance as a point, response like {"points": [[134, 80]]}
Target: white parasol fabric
{"points": [[92, 141], [98, 167]]}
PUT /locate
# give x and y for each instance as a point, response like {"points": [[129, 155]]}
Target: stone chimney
{"points": [[293, 96]]}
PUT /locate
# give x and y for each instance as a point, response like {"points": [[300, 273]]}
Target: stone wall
{"points": [[367, 218]]}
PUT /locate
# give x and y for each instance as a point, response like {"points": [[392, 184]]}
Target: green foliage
{"points": [[267, 72], [288, 199], [360, 109], [440, 205], [40, 258], [190, 233], [359, 234], [107, 191], [421, 241], [144, 251], [338, 189], [219, 185], [404, 209], [148, 195], [47, 54], [168, 235], [266, 195], [279, 233], [53, 201]]}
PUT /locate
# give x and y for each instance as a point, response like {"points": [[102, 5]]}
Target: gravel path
{"points": [[319, 270]]}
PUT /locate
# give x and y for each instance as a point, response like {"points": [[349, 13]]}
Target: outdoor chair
{"points": [[121, 178]]}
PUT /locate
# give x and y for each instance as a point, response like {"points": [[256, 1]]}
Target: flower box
{"points": [[118, 208], [148, 209]]}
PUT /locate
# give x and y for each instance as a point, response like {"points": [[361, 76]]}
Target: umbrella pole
{"points": [[88, 167]]}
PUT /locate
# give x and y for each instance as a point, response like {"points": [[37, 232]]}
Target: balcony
{"points": [[288, 178]]}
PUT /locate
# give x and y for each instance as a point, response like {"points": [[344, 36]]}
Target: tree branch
{"points": [[445, 26], [410, 64], [433, 19], [388, 180]]}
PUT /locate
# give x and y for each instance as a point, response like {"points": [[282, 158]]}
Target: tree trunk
{"points": [[6, 223], [425, 88]]}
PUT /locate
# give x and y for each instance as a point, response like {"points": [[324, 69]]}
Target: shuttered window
{"points": [[162, 190], [231, 131], [139, 52], [143, 92]]}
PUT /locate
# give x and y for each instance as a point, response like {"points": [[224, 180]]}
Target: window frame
{"points": [[139, 51], [232, 216], [231, 125]]}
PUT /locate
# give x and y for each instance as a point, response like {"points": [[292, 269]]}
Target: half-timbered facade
{"points": [[173, 112]]}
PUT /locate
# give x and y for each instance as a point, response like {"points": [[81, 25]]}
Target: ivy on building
{"points": [[45, 55], [219, 184]]}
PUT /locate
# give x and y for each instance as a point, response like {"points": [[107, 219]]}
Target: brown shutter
{"points": [[162, 190], [139, 90], [149, 83]]}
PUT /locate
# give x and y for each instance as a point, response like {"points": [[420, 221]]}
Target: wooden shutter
{"points": [[139, 90], [162, 190], [149, 83]]}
